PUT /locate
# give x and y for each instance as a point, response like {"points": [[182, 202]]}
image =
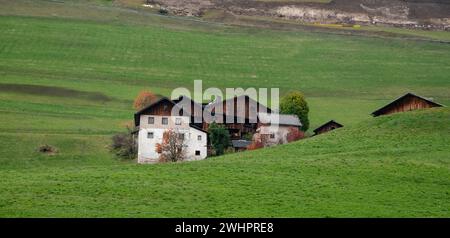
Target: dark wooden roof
{"points": [[137, 115], [202, 106], [182, 97], [380, 111], [327, 124], [246, 99]]}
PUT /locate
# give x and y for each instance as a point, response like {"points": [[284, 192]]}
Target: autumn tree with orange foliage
{"points": [[172, 148], [144, 98]]}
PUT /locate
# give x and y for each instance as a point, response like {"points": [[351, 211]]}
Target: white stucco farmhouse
{"points": [[154, 120], [189, 126]]}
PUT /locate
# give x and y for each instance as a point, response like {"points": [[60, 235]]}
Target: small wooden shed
{"points": [[407, 102], [329, 126]]}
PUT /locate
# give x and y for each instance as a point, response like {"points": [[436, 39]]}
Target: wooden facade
{"points": [[162, 107], [242, 111], [242, 106], [408, 102], [329, 126], [195, 112]]}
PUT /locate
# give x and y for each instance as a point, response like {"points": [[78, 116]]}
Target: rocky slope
{"points": [[403, 13]]}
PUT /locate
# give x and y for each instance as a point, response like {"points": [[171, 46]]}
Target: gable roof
{"points": [[279, 119], [197, 128], [137, 115], [379, 111], [326, 124], [201, 106]]}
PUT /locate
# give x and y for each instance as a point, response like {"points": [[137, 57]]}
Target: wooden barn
{"points": [[407, 102], [245, 115], [329, 126]]}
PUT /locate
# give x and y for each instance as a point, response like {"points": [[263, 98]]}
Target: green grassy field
{"points": [[396, 166], [70, 70]]}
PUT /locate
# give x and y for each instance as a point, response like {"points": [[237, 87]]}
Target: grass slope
{"points": [[335, 72], [118, 52], [394, 166]]}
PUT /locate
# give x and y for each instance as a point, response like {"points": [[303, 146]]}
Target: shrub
{"points": [[163, 11], [247, 136], [124, 145], [295, 103], [219, 137], [47, 149], [144, 98], [295, 134]]}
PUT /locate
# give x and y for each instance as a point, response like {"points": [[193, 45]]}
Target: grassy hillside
{"points": [[335, 72], [69, 71], [395, 166]]}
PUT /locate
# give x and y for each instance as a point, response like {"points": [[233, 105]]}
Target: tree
{"points": [[295, 103], [144, 98], [219, 137], [172, 148], [124, 145]]}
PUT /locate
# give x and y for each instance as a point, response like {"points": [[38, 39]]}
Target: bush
{"points": [[295, 103], [247, 136], [124, 145], [47, 149], [219, 137], [163, 11], [294, 135]]}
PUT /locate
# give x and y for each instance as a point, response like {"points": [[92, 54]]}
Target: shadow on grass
{"points": [[53, 92]]}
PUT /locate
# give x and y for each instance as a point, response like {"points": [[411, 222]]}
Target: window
{"points": [[165, 121], [150, 135], [197, 153], [178, 121], [272, 136], [199, 137], [151, 120]]}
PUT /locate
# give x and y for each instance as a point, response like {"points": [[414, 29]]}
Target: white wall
{"points": [[280, 132], [193, 144], [158, 122], [147, 147]]}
